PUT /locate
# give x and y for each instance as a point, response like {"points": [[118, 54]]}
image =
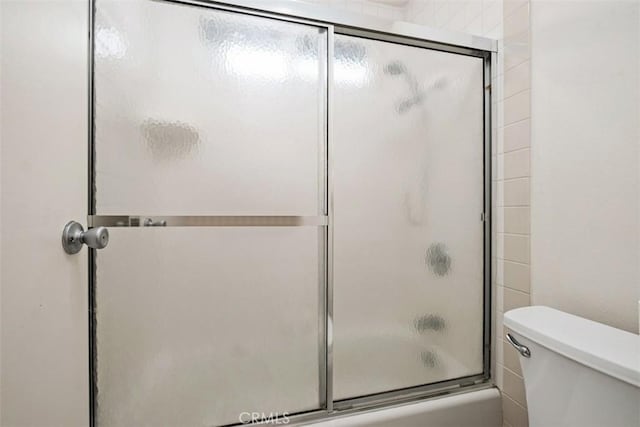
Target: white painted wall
{"points": [[44, 336], [585, 220]]}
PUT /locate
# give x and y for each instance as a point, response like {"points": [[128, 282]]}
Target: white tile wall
{"points": [[517, 135], [514, 414], [515, 192], [516, 220], [516, 248], [517, 79], [516, 275], [480, 17], [516, 272], [514, 387], [516, 164], [367, 7], [514, 299], [517, 107], [516, 22]]}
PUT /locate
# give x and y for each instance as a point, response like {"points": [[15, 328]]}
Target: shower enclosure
{"points": [[298, 215]]}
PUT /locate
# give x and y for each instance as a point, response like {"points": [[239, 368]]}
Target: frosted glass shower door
{"points": [[408, 202], [203, 113]]}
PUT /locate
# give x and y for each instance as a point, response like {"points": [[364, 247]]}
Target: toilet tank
{"points": [[579, 372]]}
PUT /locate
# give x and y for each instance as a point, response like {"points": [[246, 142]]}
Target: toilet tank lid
{"points": [[606, 349]]}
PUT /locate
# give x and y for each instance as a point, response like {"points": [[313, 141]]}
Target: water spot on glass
{"points": [[212, 31], [416, 96], [351, 66], [438, 259], [439, 83], [109, 43], [250, 52], [429, 358], [395, 68], [350, 51], [433, 322], [307, 45], [406, 104], [170, 140], [233, 30]]}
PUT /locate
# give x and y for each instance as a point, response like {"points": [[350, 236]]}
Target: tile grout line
{"points": [[515, 401], [515, 261], [528, 147], [517, 121], [516, 94]]}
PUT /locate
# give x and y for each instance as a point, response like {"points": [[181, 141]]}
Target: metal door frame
{"points": [[335, 23]]}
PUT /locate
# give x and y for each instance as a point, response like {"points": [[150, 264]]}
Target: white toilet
{"points": [[576, 372]]}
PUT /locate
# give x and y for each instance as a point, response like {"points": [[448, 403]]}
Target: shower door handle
{"points": [[74, 236], [151, 223]]}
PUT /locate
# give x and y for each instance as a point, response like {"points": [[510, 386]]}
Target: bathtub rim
{"points": [[343, 414], [373, 403]]}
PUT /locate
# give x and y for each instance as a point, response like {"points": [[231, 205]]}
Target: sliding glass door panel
{"points": [[228, 285], [408, 202], [204, 112], [200, 111], [195, 326]]}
